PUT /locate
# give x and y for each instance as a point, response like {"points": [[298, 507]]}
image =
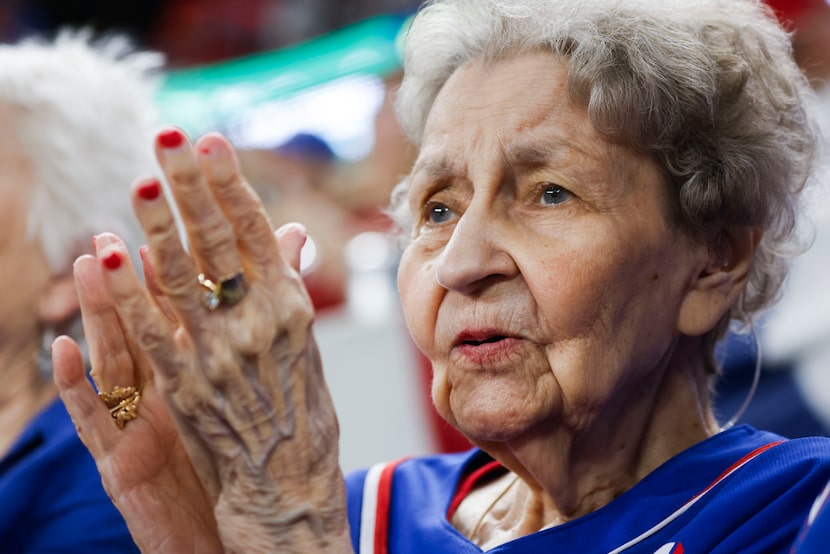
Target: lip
{"points": [[486, 346]]}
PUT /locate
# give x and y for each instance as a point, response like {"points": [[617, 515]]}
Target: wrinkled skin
{"points": [[235, 444], [559, 305]]}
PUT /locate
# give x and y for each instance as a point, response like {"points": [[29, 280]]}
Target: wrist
{"points": [[257, 517]]}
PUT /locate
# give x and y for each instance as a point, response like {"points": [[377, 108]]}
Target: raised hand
{"points": [[236, 363], [144, 466]]}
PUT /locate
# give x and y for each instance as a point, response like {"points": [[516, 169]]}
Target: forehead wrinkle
{"points": [[580, 155], [536, 146], [530, 154]]}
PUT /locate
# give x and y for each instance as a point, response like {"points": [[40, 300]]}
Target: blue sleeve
{"points": [[74, 513], [83, 525], [51, 497]]}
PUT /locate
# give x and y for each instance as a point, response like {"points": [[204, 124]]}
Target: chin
{"points": [[489, 422], [496, 409]]}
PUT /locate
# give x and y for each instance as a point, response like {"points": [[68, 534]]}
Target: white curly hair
{"points": [[708, 88], [87, 120]]}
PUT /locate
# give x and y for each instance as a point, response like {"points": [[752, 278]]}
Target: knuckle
{"points": [[120, 358], [187, 403], [176, 283], [150, 340], [225, 185], [294, 306], [215, 233], [250, 223], [185, 178], [302, 312], [220, 368], [162, 233], [175, 278]]}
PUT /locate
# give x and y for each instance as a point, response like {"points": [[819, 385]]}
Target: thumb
{"points": [[291, 238]]}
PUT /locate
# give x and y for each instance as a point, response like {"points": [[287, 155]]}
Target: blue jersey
{"points": [[814, 538], [51, 497], [741, 490]]}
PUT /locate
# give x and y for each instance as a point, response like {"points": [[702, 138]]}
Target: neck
{"points": [[24, 393], [569, 472]]}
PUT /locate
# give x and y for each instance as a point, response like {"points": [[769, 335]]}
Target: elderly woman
{"points": [[602, 185], [62, 179]]}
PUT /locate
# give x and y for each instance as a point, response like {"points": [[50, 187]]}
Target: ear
{"points": [[59, 300], [720, 282]]}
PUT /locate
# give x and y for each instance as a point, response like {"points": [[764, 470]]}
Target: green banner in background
{"points": [[207, 98]]}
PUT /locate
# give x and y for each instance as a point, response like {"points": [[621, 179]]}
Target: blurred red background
{"points": [[196, 31]]}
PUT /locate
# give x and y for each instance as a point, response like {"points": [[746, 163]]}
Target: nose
{"points": [[475, 255]]}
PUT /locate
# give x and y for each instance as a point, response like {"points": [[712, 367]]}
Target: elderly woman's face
{"points": [[543, 280]]}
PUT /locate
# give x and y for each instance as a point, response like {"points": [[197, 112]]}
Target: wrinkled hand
{"points": [[144, 467], [242, 383]]}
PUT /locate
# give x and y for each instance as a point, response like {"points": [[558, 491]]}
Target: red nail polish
{"points": [[172, 138], [113, 261], [150, 190]]}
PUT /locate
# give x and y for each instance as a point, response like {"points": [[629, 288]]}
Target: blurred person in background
{"points": [[62, 177], [365, 187], [291, 180], [302, 180]]}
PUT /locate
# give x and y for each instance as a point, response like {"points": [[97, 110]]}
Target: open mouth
{"points": [[495, 338]]}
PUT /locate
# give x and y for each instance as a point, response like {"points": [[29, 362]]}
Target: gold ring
{"points": [[226, 292], [122, 403]]}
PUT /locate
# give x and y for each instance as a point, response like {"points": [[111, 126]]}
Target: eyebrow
{"points": [[533, 155], [435, 169], [522, 155]]}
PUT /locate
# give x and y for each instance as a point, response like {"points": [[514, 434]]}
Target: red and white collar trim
{"points": [[377, 493]]}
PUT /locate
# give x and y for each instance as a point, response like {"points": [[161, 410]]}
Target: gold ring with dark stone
{"points": [[225, 292], [122, 403]]}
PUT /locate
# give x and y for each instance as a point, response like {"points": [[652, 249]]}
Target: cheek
{"points": [[420, 298], [441, 394], [607, 312], [569, 290], [420, 295], [593, 286], [584, 297]]}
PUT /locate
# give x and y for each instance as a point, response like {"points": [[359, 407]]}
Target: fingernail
{"points": [[149, 190], [212, 148], [112, 261], [171, 138], [143, 250]]}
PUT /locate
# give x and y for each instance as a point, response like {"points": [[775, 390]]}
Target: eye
{"points": [[554, 194], [435, 212]]}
